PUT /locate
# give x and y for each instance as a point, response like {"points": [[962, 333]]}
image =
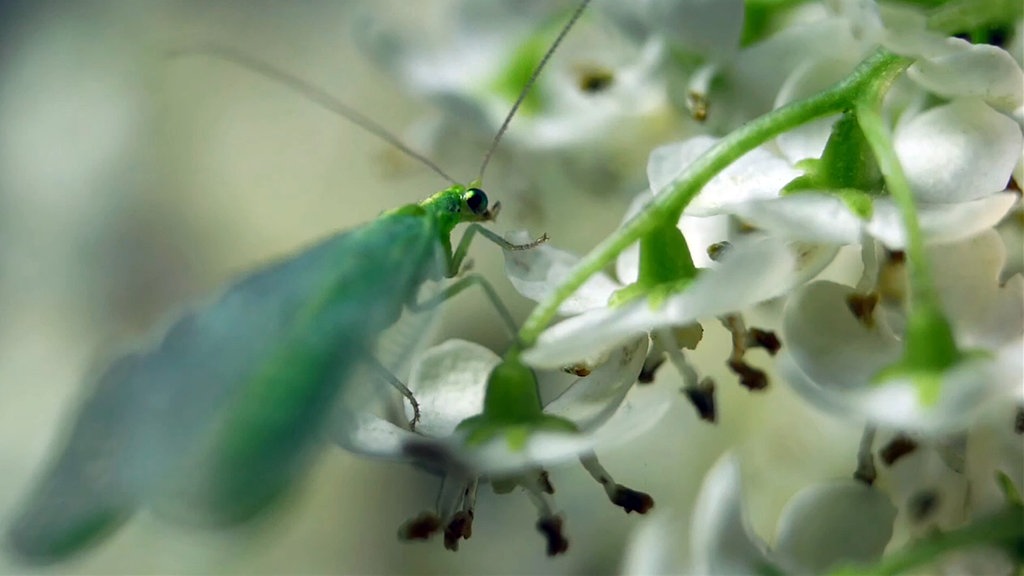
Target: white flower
{"points": [[753, 269], [824, 526], [450, 382], [957, 158], [834, 359], [752, 272], [606, 78]]}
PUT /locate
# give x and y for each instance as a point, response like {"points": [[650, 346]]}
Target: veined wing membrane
{"points": [[220, 417]]}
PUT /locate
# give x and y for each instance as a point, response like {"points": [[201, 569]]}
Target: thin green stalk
{"points": [[1005, 528], [869, 117], [670, 204]]}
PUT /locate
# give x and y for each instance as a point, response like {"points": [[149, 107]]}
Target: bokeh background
{"points": [[132, 184]]}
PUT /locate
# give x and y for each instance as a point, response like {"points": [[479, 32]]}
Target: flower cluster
{"points": [[854, 128], [846, 174]]}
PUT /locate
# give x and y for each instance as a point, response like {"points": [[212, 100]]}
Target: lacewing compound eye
{"points": [[476, 200]]}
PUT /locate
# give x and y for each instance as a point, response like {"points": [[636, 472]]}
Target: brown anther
{"points": [[582, 370], [702, 396], [551, 528], [897, 448], [460, 528], [421, 527], [863, 307], [1018, 420], [718, 250], [765, 339], [544, 481], [895, 256], [922, 505], [650, 368], [892, 278], [866, 476], [632, 500], [593, 79], [698, 104], [751, 378]]}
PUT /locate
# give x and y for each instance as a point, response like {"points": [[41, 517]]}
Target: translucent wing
{"points": [[220, 416]]}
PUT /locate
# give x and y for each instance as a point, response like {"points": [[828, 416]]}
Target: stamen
{"points": [[455, 490], [892, 278], [548, 523], [451, 494], [862, 306], [421, 527], [866, 471], [764, 339], [654, 360], [697, 91], [461, 524], [922, 505], [551, 528], [626, 498], [544, 481], [700, 393], [742, 339], [897, 448], [718, 250]]}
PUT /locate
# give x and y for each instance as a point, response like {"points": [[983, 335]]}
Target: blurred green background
{"points": [[132, 185]]}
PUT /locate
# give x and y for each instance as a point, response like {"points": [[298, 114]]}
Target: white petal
{"points": [[1011, 230], [721, 540], [829, 344], [759, 70], [983, 313], [587, 335], [753, 271], [642, 410], [666, 162], [940, 223], [758, 174], [821, 218], [978, 70], [806, 216], [700, 232], [908, 34], [832, 361], [627, 265], [537, 272], [826, 525], [703, 231], [708, 27], [367, 434], [449, 381], [957, 152], [808, 140], [591, 400]]}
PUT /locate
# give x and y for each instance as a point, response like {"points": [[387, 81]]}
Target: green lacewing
{"points": [[223, 412]]}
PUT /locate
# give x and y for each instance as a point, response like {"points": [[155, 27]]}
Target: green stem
{"points": [[1005, 529], [929, 343], [869, 117], [669, 205]]}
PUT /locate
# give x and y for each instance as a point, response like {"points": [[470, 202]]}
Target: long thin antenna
{"points": [[529, 85], [314, 93]]}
